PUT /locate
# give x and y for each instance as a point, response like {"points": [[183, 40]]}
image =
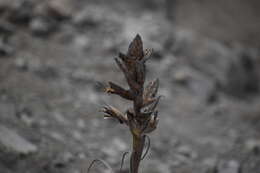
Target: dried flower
{"points": [[142, 117]]}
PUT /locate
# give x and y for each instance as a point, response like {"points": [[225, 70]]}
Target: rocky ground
{"points": [[54, 54]]}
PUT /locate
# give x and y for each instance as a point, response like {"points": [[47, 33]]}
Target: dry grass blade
{"points": [[148, 146], [122, 161], [101, 161]]}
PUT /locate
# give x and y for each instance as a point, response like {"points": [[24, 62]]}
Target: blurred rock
{"points": [[187, 152], [27, 119], [77, 135], [26, 116], [5, 48], [210, 164], [45, 71], [232, 70], [21, 63], [4, 5], [82, 42], [6, 28], [231, 166], [115, 149], [155, 166], [253, 145], [57, 136], [182, 76], [242, 75], [81, 75], [12, 142], [42, 26], [81, 156], [60, 9], [89, 16], [21, 12], [81, 123], [63, 160], [60, 118]]}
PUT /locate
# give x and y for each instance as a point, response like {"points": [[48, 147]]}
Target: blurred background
{"points": [[55, 53]]}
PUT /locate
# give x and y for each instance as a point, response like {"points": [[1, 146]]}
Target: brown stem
{"points": [[136, 156]]}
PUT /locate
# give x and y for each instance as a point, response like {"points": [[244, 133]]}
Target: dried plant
{"points": [[141, 118]]}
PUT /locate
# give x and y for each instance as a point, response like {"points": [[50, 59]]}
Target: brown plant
{"points": [[142, 117]]}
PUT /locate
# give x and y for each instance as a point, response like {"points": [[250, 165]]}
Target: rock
{"points": [[115, 149], [13, 142], [57, 136], [21, 12], [60, 118], [231, 166], [5, 48], [253, 145], [83, 76], [90, 16], [47, 72], [243, 74], [210, 165], [81, 156], [4, 5], [182, 76], [25, 114], [81, 123], [60, 9], [82, 42], [42, 26], [77, 135], [63, 160], [21, 63], [153, 166], [187, 152], [231, 69], [6, 28]]}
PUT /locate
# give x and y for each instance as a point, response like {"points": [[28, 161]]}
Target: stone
{"points": [[21, 12], [61, 9], [253, 145], [115, 149], [5, 48], [63, 159], [6, 28], [42, 26], [90, 16], [81, 123], [77, 135], [154, 166], [231, 166], [13, 142], [60, 118], [57, 136], [21, 63], [187, 152]]}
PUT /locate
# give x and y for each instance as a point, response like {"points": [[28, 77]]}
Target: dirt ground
{"points": [[53, 56]]}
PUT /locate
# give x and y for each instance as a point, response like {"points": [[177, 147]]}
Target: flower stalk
{"points": [[142, 117]]}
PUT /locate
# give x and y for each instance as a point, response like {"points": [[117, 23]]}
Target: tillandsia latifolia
{"points": [[141, 118]]}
